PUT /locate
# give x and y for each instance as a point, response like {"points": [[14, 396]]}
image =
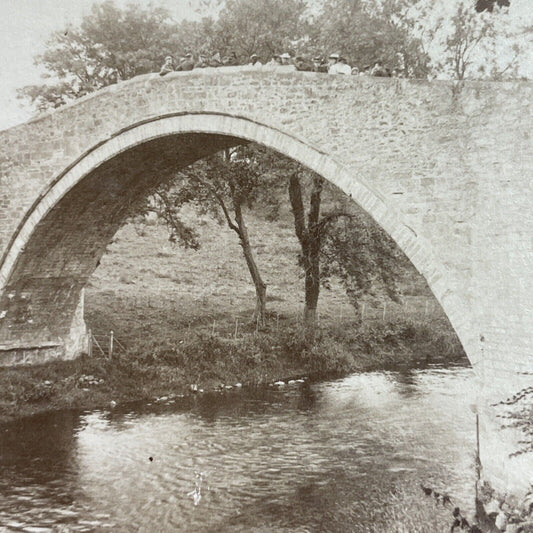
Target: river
{"points": [[298, 458]]}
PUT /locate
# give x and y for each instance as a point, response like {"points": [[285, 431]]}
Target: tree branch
{"points": [[221, 202]]}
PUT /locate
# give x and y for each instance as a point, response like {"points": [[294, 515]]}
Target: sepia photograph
{"points": [[266, 266]]}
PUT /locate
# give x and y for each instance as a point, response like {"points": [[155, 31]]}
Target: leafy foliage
{"points": [[366, 31], [114, 44], [263, 27], [466, 43], [488, 5], [521, 417], [111, 44], [361, 255], [221, 185]]}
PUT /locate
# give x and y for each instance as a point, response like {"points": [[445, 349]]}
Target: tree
{"points": [[342, 242], [367, 31], [467, 34], [110, 45], [223, 185], [261, 27], [309, 236], [365, 259], [466, 42]]}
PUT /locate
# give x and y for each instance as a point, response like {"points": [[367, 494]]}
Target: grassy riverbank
{"points": [[183, 317], [173, 359]]}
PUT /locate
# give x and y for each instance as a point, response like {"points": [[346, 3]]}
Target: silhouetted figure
{"points": [[446, 499]]}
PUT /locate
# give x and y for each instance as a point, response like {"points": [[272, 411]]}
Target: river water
{"points": [[298, 458]]}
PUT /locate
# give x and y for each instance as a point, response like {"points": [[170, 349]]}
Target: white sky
{"points": [[25, 26]]}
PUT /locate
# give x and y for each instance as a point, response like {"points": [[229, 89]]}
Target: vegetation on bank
{"points": [[184, 318], [173, 360]]}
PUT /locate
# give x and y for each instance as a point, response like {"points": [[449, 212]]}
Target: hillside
{"points": [[142, 270], [181, 320]]}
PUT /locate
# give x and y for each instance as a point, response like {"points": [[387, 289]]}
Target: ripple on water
{"points": [[270, 460]]}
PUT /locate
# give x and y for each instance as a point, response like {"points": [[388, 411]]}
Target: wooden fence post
{"points": [[111, 344], [89, 343]]}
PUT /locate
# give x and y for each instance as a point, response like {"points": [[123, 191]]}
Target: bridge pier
{"points": [[77, 341], [35, 350]]}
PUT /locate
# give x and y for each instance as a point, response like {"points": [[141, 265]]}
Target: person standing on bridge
{"points": [[202, 62], [215, 60], [230, 60], [319, 64], [275, 62], [379, 70], [342, 67], [304, 64], [336, 66]]}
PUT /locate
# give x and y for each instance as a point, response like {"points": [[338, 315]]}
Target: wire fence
{"points": [[189, 314], [106, 344]]}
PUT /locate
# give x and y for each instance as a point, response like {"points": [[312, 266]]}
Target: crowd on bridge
{"points": [[334, 64]]}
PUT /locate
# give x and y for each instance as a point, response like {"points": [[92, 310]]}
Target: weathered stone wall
{"points": [[445, 170]]}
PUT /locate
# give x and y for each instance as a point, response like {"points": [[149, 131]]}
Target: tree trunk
{"points": [[312, 271], [310, 242], [312, 290], [259, 315]]}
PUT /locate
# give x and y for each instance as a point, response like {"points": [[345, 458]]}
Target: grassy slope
{"points": [[184, 317]]}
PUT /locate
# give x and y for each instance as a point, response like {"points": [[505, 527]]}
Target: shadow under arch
{"points": [[148, 151]]}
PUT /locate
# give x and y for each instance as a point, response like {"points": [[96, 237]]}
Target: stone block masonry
{"points": [[445, 170]]}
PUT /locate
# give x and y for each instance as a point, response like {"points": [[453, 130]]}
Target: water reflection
{"points": [[305, 457]]}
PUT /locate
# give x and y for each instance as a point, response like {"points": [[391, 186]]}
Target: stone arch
{"points": [[229, 130]]}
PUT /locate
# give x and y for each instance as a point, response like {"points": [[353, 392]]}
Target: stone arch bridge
{"points": [[445, 169]]}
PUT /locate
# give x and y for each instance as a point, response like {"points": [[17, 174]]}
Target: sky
{"points": [[25, 26]]}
